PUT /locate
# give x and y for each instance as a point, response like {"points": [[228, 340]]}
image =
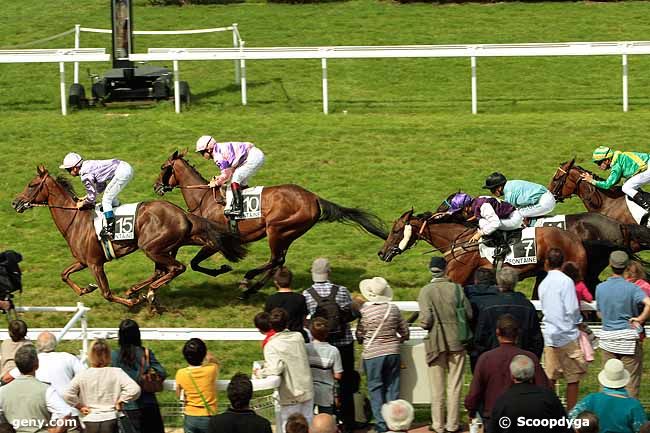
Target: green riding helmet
{"points": [[601, 153]]}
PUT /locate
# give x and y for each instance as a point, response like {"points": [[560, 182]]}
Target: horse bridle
{"points": [[169, 170], [37, 188]]}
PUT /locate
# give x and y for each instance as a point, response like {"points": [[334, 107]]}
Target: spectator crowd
{"points": [[308, 342]]}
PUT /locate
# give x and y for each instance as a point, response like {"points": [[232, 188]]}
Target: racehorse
{"points": [[610, 202], [161, 228], [288, 212], [463, 258]]}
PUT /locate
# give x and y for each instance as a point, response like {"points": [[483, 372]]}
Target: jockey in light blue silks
{"points": [[530, 199], [238, 162], [109, 176]]}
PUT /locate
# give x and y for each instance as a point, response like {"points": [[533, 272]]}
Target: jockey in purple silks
{"points": [[492, 214], [238, 161], [109, 176]]}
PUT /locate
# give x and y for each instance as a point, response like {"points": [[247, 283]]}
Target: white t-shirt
{"points": [[324, 360]]}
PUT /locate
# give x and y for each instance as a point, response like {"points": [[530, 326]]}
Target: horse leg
{"points": [[65, 277], [158, 272], [203, 254], [279, 245], [173, 269], [102, 281]]}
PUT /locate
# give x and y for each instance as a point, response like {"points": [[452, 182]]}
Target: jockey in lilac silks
{"points": [[109, 176], [492, 213], [238, 162]]}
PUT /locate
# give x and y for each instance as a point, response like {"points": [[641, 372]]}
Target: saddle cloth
{"points": [[558, 221], [523, 251], [637, 211], [124, 221], [252, 202]]}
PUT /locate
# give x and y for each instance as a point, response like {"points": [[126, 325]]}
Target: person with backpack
{"points": [[381, 330], [444, 312], [333, 302]]}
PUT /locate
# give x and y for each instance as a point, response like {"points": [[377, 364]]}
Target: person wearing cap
{"points": [[237, 161], [109, 176], [445, 354], [343, 341], [617, 411], [617, 303], [530, 199], [398, 415], [631, 165], [492, 214], [381, 330]]}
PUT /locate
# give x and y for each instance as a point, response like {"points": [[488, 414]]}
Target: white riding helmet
{"points": [[71, 160], [203, 142]]}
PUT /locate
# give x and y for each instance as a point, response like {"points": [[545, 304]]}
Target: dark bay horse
{"points": [[288, 212], [610, 202], [161, 228], [463, 258]]}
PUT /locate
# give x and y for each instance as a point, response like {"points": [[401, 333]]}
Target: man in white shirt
{"points": [[29, 404], [562, 354]]}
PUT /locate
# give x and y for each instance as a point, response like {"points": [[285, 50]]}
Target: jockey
{"points": [[530, 199], [492, 214], [109, 176], [238, 161], [630, 165]]}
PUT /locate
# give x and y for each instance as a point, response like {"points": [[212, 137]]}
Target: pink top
{"points": [[645, 286], [228, 156], [583, 292]]}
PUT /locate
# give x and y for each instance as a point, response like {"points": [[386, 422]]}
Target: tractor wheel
{"points": [[184, 92], [99, 90], [161, 89], [77, 96]]}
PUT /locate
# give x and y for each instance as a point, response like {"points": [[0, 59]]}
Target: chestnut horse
{"points": [[161, 228], [288, 212], [463, 257]]}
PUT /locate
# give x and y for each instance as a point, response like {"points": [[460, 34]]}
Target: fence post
{"points": [[177, 88], [235, 44], [77, 35], [625, 94], [325, 97], [84, 334], [474, 89], [242, 64], [64, 106]]}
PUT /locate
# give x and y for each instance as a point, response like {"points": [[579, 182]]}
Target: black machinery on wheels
{"points": [[127, 82]]}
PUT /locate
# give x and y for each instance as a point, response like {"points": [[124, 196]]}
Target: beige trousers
{"points": [[451, 365], [633, 364]]}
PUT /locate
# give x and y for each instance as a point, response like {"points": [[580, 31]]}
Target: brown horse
{"points": [[610, 202], [161, 228], [463, 258], [288, 212]]}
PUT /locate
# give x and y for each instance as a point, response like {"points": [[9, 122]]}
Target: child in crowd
{"points": [[263, 324], [571, 270], [636, 274], [326, 366], [297, 423], [198, 382]]}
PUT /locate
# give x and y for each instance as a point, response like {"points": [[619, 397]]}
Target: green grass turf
{"points": [[407, 138]]}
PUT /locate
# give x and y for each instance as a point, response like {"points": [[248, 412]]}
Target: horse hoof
{"points": [[89, 289], [225, 268], [243, 284], [151, 297], [246, 294]]}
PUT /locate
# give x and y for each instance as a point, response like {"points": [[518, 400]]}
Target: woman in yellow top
{"points": [[198, 382]]}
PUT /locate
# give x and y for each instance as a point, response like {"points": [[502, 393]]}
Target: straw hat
{"points": [[614, 374], [376, 290]]}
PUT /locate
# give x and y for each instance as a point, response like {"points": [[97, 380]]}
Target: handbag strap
{"points": [[374, 335], [205, 403]]}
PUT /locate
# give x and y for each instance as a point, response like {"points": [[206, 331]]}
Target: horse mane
{"points": [[66, 183], [613, 192], [193, 168]]}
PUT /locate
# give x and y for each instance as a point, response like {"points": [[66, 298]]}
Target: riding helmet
{"points": [[494, 180], [71, 160], [203, 142], [602, 152], [459, 201]]}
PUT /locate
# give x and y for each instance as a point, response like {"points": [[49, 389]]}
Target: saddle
{"points": [[502, 241]]}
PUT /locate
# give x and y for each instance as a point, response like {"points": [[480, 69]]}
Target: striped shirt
{"points": [[393, 331], [622, 342], [344, 300], [231, 154], [95, 175]]}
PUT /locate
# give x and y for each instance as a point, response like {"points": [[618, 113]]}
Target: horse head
{"points": [[400, 237], [34, 192], [167, 179], [565, 180]]}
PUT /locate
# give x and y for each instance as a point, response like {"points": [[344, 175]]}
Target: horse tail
{"points": [[218, 236], [371, 223], [640, 235]]}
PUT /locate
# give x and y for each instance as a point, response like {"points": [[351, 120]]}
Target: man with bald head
{"points": [[323, 423]]}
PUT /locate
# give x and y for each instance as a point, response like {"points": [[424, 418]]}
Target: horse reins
{"points": [[214, 191], [38, 187]]}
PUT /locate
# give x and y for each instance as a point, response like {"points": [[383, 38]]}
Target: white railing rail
{"points": [[473, 51]]}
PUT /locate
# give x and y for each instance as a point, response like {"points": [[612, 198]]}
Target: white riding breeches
{"points": [[123, 174], [631, 185], [513, 222], [544, 206], [253, 163]]}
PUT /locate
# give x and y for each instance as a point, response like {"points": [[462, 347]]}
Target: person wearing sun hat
{"points": [[381, 330], [615, 409], [631, 165]]}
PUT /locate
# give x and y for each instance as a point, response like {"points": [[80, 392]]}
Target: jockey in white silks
{"points": [[238, 162], [109, 176]]}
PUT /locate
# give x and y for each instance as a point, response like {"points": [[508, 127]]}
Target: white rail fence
{"points": [[242, 54]]}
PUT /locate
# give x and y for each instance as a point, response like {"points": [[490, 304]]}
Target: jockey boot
{"points": [[642, 198], [109, 230], [237, 206]]}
